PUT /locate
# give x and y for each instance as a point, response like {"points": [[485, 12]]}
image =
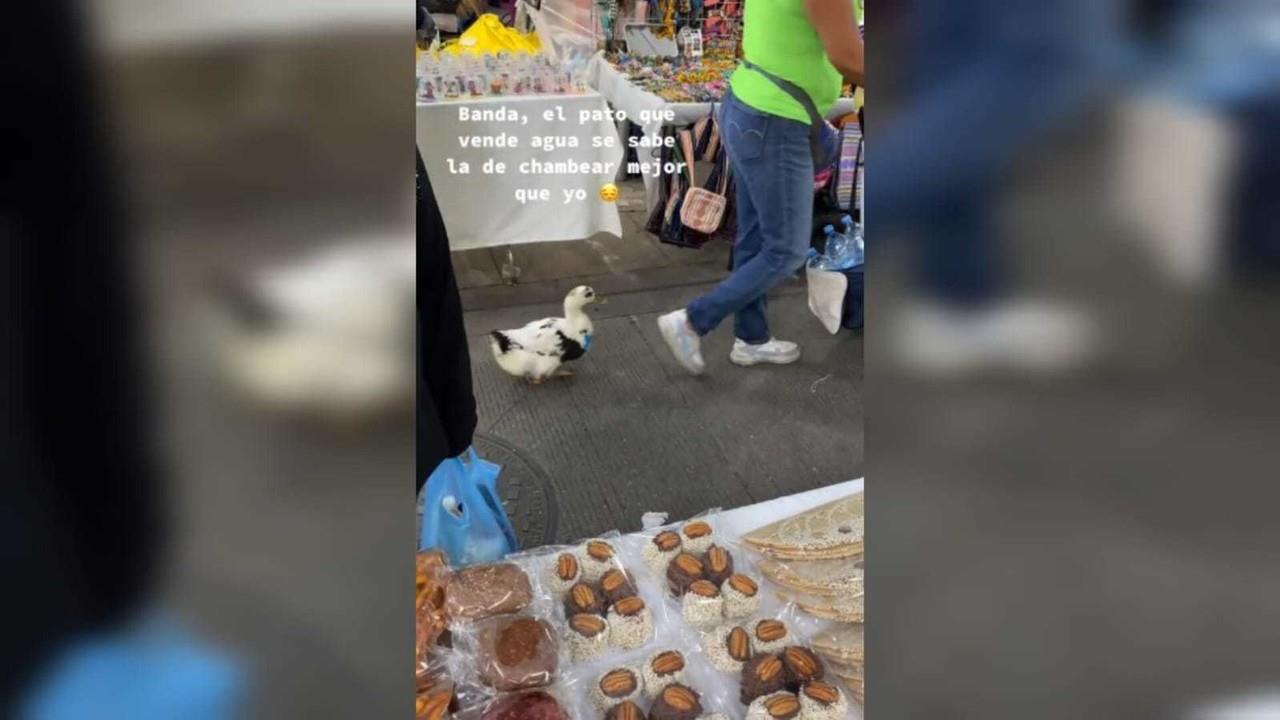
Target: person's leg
{"points": [[774, 175], [750, 321], [774, 170], [959, 260]]}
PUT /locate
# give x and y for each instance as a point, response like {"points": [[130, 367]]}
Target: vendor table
{"points": [[623, 95], [740, 521], [481, 210]]}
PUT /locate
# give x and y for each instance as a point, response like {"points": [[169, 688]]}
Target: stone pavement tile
{"points": [[616, 439], [475, 268], [548, 261], [628, 253], [552, 292], [789, 428], [715, 252], [632, 432]]}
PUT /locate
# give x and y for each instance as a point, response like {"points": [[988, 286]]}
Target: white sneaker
{"points": [[1020, 336], [778, 352], [683, 341]]}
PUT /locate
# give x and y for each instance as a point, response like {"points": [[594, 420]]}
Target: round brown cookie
{"points": [[727, 647], [802, 665], [598, 557], [625, 710], [616, 585], [762, 675], [662, 669], [659, 551], [516, 652], [822, 701], [563, 572], [614, 686], [741, 596], [630, 623], [582, 598], [696, 536], [536, 705], [718, 563], [776, 706], [769, 635], [676, 702], [684, 569], [702, 605], [588, 636]]}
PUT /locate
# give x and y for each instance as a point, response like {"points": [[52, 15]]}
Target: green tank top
{"points": [[778, 37]]}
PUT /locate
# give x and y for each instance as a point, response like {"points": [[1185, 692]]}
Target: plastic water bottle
{"points": [[837, 245], [857, 245], [816, 261]]}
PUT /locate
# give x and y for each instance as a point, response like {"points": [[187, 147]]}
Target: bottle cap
{"points": [[828, 229]]}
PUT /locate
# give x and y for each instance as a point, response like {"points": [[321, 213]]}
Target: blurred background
{"points": [[233, 270], [1071, 359]]}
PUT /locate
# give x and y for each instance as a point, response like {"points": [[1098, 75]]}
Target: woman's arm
{"points": [[834, 21]]}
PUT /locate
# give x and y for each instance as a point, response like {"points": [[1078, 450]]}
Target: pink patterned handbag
{"points": [[703, 209]]}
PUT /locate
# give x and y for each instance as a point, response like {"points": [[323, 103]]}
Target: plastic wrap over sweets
{"points": [[481, 591], [513, 652], [533, 705]]}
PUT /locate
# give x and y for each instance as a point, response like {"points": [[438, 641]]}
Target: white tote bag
{"points": [[826, 296]]}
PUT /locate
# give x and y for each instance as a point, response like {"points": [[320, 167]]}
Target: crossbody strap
{"points": [[815, 118], [686, 145]]}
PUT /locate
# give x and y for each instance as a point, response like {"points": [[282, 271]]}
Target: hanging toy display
{"points": [[690, 43], [668, 9], [608, 11]]}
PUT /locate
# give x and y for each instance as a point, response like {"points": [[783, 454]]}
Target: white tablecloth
{"points": [[481, 210], [739, 521], [623, 95]]}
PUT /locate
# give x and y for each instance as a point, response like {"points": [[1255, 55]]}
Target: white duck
{"points": [[536, 351]]}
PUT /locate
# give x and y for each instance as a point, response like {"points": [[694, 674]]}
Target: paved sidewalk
{"points": [[631, 431]]}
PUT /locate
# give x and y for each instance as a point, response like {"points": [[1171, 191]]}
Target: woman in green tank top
{"points": [[813, 47]]}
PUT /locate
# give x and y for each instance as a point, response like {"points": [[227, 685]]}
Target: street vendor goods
{"points": [[536, 705], [662, 669], [821, 701], [834, 530], [480, 591], [678, 79], [676, 702], [777, 706], [516, 652], [620, 684], [451, 77]]}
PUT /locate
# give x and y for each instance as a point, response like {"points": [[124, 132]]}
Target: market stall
{"points": [[509, 134], [656, 92], [527, 203], [749, 613]]}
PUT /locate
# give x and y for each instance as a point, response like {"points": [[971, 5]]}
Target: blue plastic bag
{"points": [[154, 669], [462, 513]]}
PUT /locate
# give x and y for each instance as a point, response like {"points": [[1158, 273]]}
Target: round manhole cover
{"points": [[526, 491]]}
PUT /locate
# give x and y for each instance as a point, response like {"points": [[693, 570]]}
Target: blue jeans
{"points": [[969, 110], [773, 172]]}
